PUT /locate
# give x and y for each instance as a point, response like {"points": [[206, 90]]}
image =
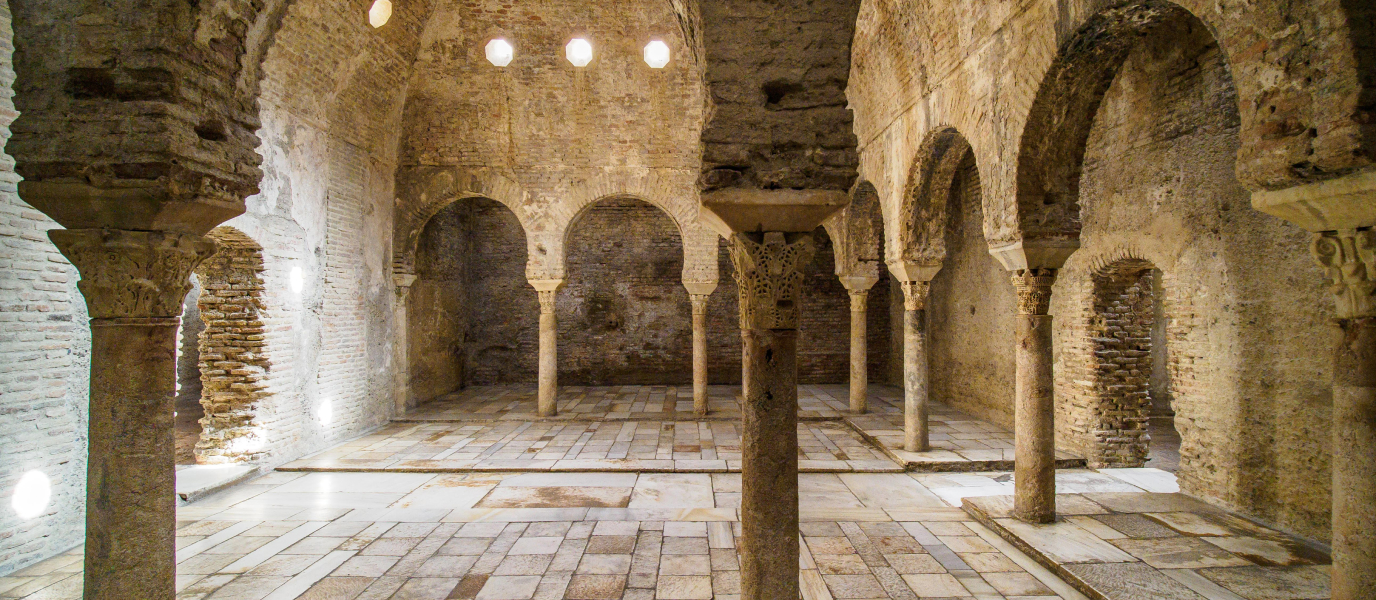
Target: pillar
{"points": [[859, 290], [916, 433], [401, 350], [134, 283], [769, 270], [1034, 477], [698, 293], [1349, 258], [547, 396]]}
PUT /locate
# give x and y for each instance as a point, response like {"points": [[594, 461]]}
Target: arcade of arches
{"points": [[852, 299]]}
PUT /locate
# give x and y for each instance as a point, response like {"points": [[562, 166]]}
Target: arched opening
{"points": [[824, 326], [624, 315], [187, 407], [233, 361], [472, 317], [970, 312]]}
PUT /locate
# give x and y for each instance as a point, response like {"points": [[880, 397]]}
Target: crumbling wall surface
{"points": [[1244, 317], [44, 351], [970, 314], [1305, 111], [779, 116], [624, 316], [438, 312]]}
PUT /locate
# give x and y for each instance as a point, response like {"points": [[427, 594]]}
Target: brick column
{"points": [[401, 350], [548, 396], [769, 270], [859, 290], [134, 283], [1349, 257], [1034, 493]]}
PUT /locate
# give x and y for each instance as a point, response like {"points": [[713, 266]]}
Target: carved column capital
{"points": [[858, 298], [403, 281], [699, 303], [769, 273], [915, 294], [133, 274], [1034, 290], [1349, 259]]}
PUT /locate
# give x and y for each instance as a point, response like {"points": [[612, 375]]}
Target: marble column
{"points": [[916, 432], [547, 397], [1034, 494], [769, 269], [401, 357], [1349, 257], [134, 283], [859, 290], [698, 293]]}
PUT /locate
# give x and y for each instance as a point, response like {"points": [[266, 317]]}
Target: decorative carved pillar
{"points": [[769, 269], [699, 353], [916, 434], [401, 350], [1034, 402], [1349, 257], [547, 397], [134, 283]]}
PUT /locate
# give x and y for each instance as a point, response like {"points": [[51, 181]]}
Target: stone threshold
{"points": [[1170, 547], [947, 461]]}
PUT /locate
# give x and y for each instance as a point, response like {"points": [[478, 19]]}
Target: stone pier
{"points": [[401, 358], [547, 398], [134, 283], [859, 290], [1034, 401]]}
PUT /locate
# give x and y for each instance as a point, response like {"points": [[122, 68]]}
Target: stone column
{"points": [[1350, 260], [859, 290], [134, 283], [698, 294], [548, 396], [1034, 402], [769, 270], [401, 352], [916, 434]]}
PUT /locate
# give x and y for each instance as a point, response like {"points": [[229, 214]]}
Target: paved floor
{"points": [[498, 536]]}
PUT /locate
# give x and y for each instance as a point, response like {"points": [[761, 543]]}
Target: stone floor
{"points": [[500, 536], [653, 428], [1139, 546]]}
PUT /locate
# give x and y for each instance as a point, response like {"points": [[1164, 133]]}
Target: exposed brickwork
{"points": [[233, 349], [44, 348]]}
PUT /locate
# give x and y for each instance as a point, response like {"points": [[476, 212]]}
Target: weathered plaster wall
{"points": [[1243, 314], [44, 349], [970, 314]]}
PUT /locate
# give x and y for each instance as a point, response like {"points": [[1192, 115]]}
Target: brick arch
{"points": [[427, 191], [1054, 139], [922, 216], [233, 349]]}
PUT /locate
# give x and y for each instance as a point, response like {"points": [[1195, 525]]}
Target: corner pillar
{"points": [[401, 351], [698, 294], [769, 269], [859, 290], [134, 283], [547, 396], [1349, 259], [1034, 494]]}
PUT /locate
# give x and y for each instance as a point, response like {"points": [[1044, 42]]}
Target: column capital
{"points": [[133, 274], [700, 288], [769, 271], [548, 290], [858, 299], [1349, 261], [1034, 290], [699, 303], [403, 282], [915, 294], [911, 270], [854, 283]]}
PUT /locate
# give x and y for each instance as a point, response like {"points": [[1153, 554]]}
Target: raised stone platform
{"points": [[1145, 546]]}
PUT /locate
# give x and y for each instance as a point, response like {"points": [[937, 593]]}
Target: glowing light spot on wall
{"points": [[326, 413], [579, 52], [657, 54], [297, 280], [500, 52], [380, 13], [31, 495]]}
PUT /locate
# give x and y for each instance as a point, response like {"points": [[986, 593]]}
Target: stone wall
{"points": [[970, 313], [44, 348]]}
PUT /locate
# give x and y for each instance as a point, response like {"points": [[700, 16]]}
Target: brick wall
{"points": [[44, 348]]}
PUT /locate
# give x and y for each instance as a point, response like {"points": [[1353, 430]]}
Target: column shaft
{"points": [[699, 354], [134, 283], [401, 352], [547, 400], [1034, 402], [769, 470], [859, 353], [916, 436], [1354, 461]]}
